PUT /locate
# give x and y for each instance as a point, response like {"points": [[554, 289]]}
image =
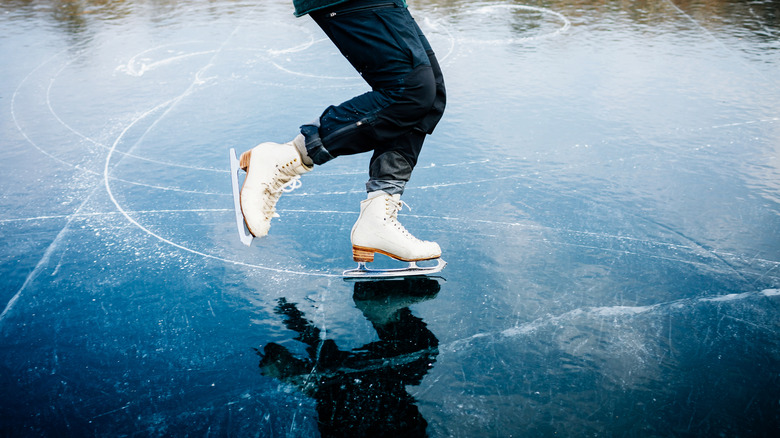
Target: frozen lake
{"points": [[605, 186]]}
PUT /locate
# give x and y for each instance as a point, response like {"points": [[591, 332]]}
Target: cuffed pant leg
{"points": [[314, 147]]}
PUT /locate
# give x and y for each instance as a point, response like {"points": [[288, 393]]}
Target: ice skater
{"points": [[386, 46]]}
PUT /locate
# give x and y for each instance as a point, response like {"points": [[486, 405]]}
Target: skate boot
{"points": [[378, 230], [271, 168]]}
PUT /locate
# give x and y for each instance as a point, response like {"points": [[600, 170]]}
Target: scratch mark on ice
{"points": [[603, 312], [42, 262]]}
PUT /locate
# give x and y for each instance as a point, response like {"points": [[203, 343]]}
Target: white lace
{"points": [[396, 207], [293, 184], [277, 188]]}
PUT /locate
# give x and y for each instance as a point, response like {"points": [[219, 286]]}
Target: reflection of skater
{"points": [[384, 44], [362, 392]]}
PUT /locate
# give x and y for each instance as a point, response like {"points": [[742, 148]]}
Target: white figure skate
{"points": [[271, 168], [377, 230]]}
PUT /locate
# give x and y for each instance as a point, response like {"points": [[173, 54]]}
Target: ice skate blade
{"points": [[243, 232], [410, 271]]}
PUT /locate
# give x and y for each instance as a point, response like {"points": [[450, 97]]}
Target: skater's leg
{"points": [[384, 44], [392, 162], [406, 102], [378, 42]]}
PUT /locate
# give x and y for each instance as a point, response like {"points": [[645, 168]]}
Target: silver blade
{"points": [[412, 270], [243, 232]]}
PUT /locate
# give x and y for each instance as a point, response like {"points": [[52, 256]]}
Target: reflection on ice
{"points": [[362, 392]]}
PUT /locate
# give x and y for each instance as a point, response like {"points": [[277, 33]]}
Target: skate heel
{"points": [[244, 161], [362, 254]]}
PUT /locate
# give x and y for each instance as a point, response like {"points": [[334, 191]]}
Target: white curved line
{"points": [[298, 48], [109, 191], [485, 7], [56, 116], [435, 25], [309, 75], [170, 104]]}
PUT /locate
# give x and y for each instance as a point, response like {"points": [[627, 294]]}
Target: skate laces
{"points": [[293, 184], [397, 205], [284, 181]]}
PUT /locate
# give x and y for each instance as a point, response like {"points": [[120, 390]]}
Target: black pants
{"points": [[384, 44]]}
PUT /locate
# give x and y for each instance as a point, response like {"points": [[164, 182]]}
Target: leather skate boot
{"points": [[271, 168], [378, 230]]}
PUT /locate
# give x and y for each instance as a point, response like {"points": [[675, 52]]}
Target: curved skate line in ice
{"points": [[67, 163], [356, 79], [169, 105], [131, 69], [59, 120], [92, 172], [149, 67], [85, 137], [55, 243], [99, 144], [126, 154], [16, 121], [439, 24], [482, 8], [298, 48]]}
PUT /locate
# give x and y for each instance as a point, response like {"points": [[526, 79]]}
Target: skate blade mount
{"points": [[243, 232], [410, 271]]}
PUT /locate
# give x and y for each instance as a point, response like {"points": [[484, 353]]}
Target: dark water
{"points": [[605, 186]]}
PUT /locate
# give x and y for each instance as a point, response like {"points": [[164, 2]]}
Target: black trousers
{"points": [[384, 44]]}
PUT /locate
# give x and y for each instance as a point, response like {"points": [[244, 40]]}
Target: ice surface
{"points": [[605, 186]]}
